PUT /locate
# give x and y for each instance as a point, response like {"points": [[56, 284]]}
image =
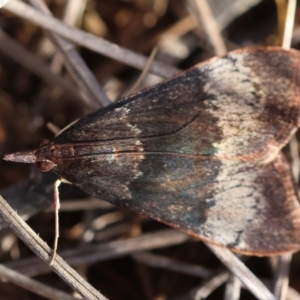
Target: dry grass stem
{"points": [[76, 66], [201, 11], [29, 284], [88, 40], [42, 250]]}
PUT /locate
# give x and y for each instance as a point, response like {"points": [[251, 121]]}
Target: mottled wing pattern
{"points": [[245, 104], [200, 151], [244, 206]]}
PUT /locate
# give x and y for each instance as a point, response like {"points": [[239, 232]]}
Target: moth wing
{"points": [[245, 104], [200, 151], [247, 207]]}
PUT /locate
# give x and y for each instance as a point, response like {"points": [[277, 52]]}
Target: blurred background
{"points": [[31, 99]]}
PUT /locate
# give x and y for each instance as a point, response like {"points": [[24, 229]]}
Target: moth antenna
{"points": [[23, 157]]}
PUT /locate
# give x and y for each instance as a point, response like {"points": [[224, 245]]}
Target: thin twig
{"points": [[233, 289], [282, 276], [158, 261], [113, 232], [106, 251], [255, 286], [43, 251], [289, 24], [53, 128], [106, 219], [3, 2], [281, 6], [234, 10], [35, 65], [292, 294], [88, 40], [76, 66], [144, 72], [32, 285], [73, 12], [209, 285], [85, 204], [202, 13]]}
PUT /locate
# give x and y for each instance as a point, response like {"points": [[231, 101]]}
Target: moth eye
{"points": [[45, 166], [43, 142]]}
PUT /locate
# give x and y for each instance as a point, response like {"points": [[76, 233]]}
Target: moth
{"points": [[199, 152]]}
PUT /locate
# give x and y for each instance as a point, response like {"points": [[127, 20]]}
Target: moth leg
{"points": [[56, 205]]}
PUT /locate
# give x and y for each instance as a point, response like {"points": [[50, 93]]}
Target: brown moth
{"points": [[199, 152]]}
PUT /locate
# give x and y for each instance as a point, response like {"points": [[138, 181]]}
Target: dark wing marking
{"points": [[199, 152], [245, 206], [245, 104]]}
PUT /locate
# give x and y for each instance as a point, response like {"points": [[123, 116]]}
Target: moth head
{"points": [[40, 156]]}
